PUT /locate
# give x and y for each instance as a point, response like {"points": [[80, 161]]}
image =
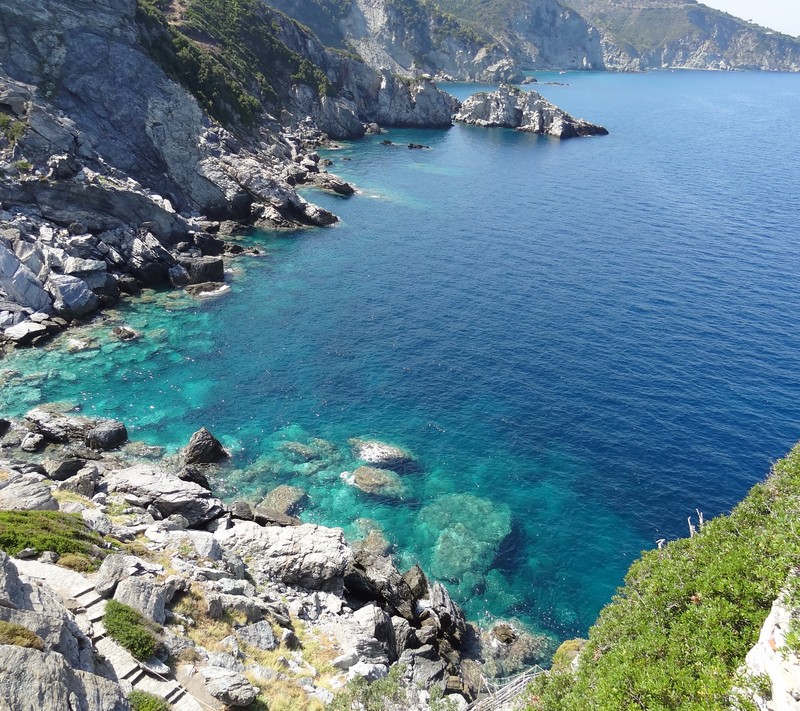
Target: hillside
{"points": [[677, 634], [651, 34]]}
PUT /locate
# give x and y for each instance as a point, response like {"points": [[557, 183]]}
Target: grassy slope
{"points": [[227, 53], [674, 636]]}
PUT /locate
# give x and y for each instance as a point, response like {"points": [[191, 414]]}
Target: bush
{"points": [[371, 696], [47, 531], [130, 629], [675, 635], [11, 633], [142, 701]]}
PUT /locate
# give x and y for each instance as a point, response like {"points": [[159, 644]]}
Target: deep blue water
{"points": [[582, 342]]}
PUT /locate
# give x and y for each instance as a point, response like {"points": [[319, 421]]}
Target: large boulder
{"points": [[374, 577], [32, 681], [107, 434], [55, 426], [310, 556], [372, 480], [20, 284], [26, 492], [145, 485], [287, 500], [381, 454], [203, 448], [71, 296], [228, 686], [258, 635], [203, 269], [144, 594]]}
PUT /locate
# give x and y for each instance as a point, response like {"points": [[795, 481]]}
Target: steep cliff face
{"points": [[652, 34]]}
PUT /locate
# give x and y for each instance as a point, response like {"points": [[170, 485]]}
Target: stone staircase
{"points": [[88, 606]]}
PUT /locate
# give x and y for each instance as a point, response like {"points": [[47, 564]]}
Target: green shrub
{"points": [[23, 166], [130, 629], [11, 633], [47, 531], [674, 636], [12, 129], [371, 696], [142, 701]]}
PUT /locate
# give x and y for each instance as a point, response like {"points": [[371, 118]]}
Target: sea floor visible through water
{"points": [[581, 342]]}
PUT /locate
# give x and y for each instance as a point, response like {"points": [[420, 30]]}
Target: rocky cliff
{"points": [[655, 34], [492, 41], [122, 132]]}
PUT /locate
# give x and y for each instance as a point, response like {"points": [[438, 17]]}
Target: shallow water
{"points": [[581, 342]]}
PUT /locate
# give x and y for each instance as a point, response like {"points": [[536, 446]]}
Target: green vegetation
{"points": [[566, 653], [227, 54], [142, 701], [11, 633], [130, 629], [47, 531], [11, 128], [77, 562], [365, 696], [23, 166], [674, 636]]}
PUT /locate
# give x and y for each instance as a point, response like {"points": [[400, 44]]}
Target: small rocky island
{"points": [[510, 107]]}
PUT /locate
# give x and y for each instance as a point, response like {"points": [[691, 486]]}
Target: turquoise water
{"points": [[581, 342]]}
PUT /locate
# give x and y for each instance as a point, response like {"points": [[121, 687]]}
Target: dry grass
{"points": [[12, 633]]}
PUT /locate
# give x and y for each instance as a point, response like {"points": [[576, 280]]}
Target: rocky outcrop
{"points": [[310, 556], [510, 107], [62, 671], [31, 681], [203, 448], [771, 658]]}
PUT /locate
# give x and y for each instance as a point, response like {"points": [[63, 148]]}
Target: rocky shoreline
{"points": [[247, 600]]}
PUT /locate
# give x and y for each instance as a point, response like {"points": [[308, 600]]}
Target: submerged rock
{"points": [[464, 533], [510, 107], [377, 481], [284, 499], [385, 455]]}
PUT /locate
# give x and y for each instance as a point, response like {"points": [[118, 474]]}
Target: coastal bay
{"points": [[580, 342]]}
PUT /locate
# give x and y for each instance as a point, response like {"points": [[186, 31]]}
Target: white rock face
{"points": [[772, 657], [311, 556], [20, 283], [510, 107], [145, 485]]}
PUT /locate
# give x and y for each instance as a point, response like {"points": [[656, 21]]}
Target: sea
{"points": [[584, 344]]}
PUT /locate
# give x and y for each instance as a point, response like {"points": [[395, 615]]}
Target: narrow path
{"points": [[78, 593]]}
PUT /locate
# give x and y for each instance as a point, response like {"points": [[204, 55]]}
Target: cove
{"points": [[581, 342]]}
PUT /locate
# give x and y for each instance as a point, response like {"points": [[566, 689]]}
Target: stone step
{"points": [[96, 611], [175, 694], [124, 664], [87, 598], [136, 676]]}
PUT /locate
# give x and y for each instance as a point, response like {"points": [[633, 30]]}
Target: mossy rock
{"points": [[566, 654], [12, 633]]}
